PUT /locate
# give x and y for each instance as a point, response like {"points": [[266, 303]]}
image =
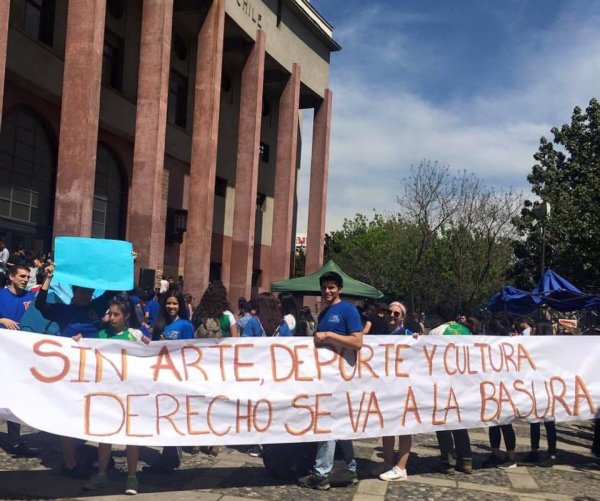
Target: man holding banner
{"points": [[79, 318], [339, 326], [14, 301]]}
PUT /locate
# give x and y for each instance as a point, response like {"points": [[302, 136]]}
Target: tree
{"points": [[567, 176], [467, 225], [449, 244]]}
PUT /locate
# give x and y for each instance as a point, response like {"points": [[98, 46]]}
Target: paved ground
{"points": [[234, 475]]}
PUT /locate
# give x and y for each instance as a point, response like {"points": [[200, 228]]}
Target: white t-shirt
{"points": [[290, 320], [4, 254], [230, 316]]}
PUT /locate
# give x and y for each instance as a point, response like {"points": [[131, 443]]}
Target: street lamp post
{"points": [[542, 213]]}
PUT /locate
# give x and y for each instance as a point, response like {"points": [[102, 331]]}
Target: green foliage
{"points": [[566, 175], [299, 263]]}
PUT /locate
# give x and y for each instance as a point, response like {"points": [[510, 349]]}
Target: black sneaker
{"points": [[77, 472], [532, 457], [255, 451], [447, 468], [465, 466], [315, 481], [492, 461], [22, 450], [549, 462], [353, 477]]}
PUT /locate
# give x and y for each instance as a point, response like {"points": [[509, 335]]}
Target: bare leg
{"points": [[103, 457], [404, 445], [69, 446], [132, 452], [388, 449]]}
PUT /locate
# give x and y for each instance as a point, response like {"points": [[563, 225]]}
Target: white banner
{"points": [[274, 390]]}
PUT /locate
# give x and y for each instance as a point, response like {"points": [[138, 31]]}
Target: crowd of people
{"points": [[166, 313]]}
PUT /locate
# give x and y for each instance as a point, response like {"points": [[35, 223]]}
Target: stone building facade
{"points": [[174, 124]]}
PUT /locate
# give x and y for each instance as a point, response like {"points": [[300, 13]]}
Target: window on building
{"points": [[220, 187], [263, 152], [99, 211], [215, 271], [108, 218], [39, 20], [112, 61], [27, 170], [261, 200], [256, 274], [177, 106], [116, 8], [19, 203]]}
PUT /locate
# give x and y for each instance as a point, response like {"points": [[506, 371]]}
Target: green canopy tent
{"points": [[309, 284]]}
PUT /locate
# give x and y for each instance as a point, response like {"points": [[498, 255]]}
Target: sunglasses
{"points": [[394, 313]]}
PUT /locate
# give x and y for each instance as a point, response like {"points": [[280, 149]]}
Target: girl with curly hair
{"points": [[213, 317]]}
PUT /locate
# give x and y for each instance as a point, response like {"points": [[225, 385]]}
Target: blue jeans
{"points": [[326, 454]]}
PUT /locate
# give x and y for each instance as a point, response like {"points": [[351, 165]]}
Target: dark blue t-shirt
{"points": [[14, 306], [82, 319], [178, 329], [152, 308], [342, 318]]}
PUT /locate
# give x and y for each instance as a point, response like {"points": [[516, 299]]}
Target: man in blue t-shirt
{"points": [[151, 311], [338, 326], [14, 301]]}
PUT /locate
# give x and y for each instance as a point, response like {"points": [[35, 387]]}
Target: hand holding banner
{"points": [[276, 390]]}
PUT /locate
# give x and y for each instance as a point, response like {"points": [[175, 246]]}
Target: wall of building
{"points": [[35, 78]]}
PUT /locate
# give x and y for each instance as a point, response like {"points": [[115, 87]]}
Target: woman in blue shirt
{"points": [[268, 320], [173, 322]]}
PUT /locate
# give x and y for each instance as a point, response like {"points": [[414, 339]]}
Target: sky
{"points": [[471, 84]]}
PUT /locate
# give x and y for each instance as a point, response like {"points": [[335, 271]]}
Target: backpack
{"points": [[307, 328], [209, 328], [289, 461]]}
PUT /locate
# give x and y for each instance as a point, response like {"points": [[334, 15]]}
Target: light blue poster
{"points": [[94, 263]]}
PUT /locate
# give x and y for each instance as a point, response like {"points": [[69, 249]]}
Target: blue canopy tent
{"points": [[513, 300], [561, 295], [552, 290]]}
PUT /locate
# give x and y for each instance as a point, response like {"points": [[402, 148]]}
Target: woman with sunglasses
{"points": [[390, 470], [397, 313]]}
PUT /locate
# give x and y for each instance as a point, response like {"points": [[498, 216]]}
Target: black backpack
{"points": [[289, 461]]}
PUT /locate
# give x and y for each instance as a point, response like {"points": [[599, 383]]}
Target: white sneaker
{"points": [[394, 475], [379, 468]]}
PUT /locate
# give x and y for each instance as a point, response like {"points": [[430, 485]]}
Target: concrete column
{"points": [[203, 163], [285, 177], [76, 170], [246, 178], [146, 211], [317, 198], [4, 12]]}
